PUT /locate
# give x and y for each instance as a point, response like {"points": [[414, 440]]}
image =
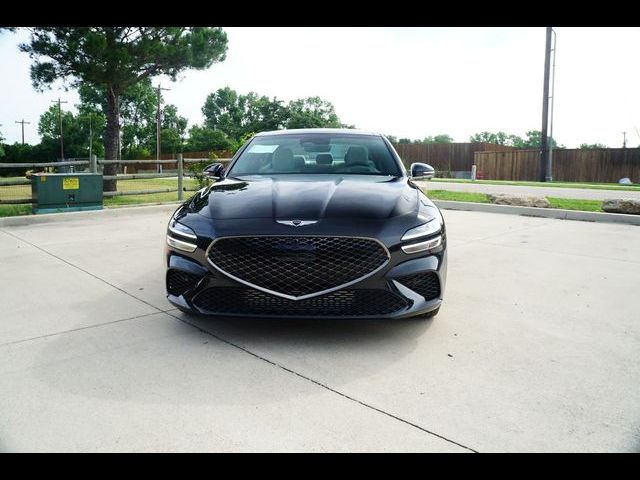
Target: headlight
{"points": [[422, 231], [182, 230], [429, 228], [183, 233], [423, 246]]}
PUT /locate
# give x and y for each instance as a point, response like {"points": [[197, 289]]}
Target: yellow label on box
{"points": [[70, 183]]}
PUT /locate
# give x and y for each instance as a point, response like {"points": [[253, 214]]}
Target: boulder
{"points": [[621, 206], [625, 181], [519, 200]]}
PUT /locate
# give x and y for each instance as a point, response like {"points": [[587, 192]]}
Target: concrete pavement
{"points": [[578, 193], [535, 349]]}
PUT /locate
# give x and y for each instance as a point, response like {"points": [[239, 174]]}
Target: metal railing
{"points": [[16, 190]]}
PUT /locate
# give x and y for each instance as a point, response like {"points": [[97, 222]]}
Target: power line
{"points": [[60, 102], [23, 122]]}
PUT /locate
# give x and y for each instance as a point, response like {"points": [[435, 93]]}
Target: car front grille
{"points": [[297, 266], [179, 282], [340, 303], [426, 284]]}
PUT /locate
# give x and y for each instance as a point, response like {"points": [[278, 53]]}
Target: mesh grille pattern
{"points": [[297, 266], [346, 303], [426, 284], [179, 282]]}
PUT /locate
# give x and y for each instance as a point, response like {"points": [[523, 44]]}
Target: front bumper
{"points": [[190, 279]]}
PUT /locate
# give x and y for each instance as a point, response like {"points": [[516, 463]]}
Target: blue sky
{"points": [[409, 82]]}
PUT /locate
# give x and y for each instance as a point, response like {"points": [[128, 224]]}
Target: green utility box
{"points": [[66, 192]]}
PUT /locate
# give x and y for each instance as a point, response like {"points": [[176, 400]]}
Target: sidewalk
{"points": [[578, 193]]}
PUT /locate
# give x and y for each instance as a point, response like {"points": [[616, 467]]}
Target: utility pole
{"points": [[624, 139], [60, 102], [90, 136], [23, 122], [158, 127], [545, 107], [549, 175]]}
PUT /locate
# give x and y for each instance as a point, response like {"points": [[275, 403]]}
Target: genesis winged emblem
{"points": [[297, 223]]}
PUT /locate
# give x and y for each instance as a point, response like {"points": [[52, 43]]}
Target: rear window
{"points": [[316, 153]]}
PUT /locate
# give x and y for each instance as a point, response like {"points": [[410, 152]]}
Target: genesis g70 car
{"points": [[322, 223]]}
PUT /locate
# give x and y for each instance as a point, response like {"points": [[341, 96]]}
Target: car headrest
{"points": [[299, 163], [324, 159], [356, 156], [282, 160]]}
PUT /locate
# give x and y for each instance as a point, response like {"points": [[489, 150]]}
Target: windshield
{"points": [[316, 153]]}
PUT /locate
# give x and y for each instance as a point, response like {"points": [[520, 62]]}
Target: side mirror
{"points": [[422, 171], [215, 171]]}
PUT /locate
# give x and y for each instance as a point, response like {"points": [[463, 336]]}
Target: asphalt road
{"points": [[535, 349], [578, 193]]}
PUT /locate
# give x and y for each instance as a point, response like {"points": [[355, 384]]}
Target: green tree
{"points": [[205, 139], [499, 138], [138, 109], [75, 130], [116, 58], [312, 112], [1, 145], [442, 138], [392, 138], [237, 114], [224, 110], [263, 114], [174, 127], [534, 140], [589, 146]]}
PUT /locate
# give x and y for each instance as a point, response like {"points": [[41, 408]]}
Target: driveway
{"points": [[535, 349], [579, 193]]}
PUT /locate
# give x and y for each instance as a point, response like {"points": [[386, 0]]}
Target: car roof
{"points": [[293, 131]]}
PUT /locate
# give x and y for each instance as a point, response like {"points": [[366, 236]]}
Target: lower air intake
{"points": [[425, 284], [341, 303], [179, 282]]}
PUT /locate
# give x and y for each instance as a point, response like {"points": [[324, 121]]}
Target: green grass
{"points": [[13, 210], [561, 203], [574, 204], [592, 186], [140, 199], [457, 196]]}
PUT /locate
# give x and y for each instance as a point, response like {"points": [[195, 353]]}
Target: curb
{"points": [[111, 212], [540, 212]]}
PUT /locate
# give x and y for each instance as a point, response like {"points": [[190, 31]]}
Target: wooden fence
{"points": [[445, 156], [222, 154], [605, 165], [15, 190]]}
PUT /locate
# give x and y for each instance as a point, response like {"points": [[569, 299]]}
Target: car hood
{"points": [[294, 197]]}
